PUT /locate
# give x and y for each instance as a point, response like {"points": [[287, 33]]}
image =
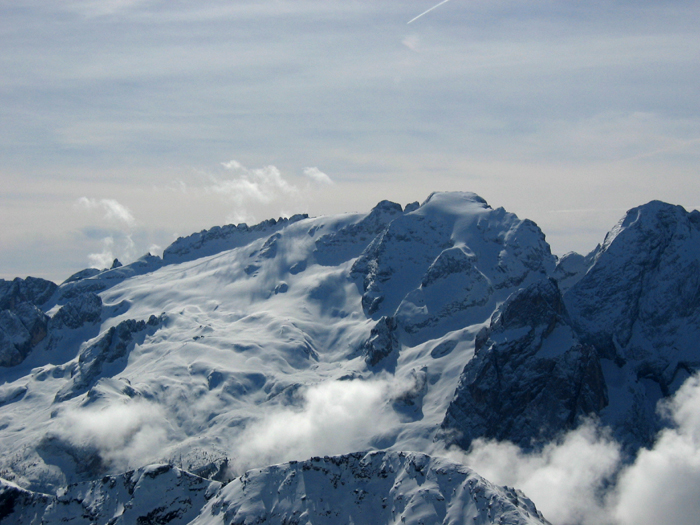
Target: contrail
{"points": [[428, 11]]}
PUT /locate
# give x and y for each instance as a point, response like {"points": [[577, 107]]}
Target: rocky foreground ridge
{"points": [[376, 487], [458, 311]]}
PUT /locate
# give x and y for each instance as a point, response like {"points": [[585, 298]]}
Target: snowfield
{"points": [[403, 329]]}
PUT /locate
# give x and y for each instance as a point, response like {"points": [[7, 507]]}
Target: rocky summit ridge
{"points": [[441, 322]]}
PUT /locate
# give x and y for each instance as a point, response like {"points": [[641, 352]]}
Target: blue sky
{"points": [[125, 123]]}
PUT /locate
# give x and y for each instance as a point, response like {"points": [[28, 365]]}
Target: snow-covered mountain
{"points": [[376, 487], [402, 329]]}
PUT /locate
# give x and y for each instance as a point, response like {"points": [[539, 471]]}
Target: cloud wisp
{"points": [[316, 175], [118, 241], [114, 212], [252, 194]]}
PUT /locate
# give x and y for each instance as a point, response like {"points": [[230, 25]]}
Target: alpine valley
{"points": [[316, 370]]}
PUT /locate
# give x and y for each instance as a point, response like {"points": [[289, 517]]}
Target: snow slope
{"points": [[378, 488], [249, 346]]}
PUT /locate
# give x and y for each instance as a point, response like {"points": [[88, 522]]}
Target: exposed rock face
{"points": [[82, 274], [220, 238], [379, 488], [22, 324], [629, 338], [530, 378], [644, 286], [452, 284], [447, 263], [639, 305], [348, 242], [154, 494], [111, 347], [382, 343], [572, 267], [31, 290], [103, 280], [79, 311]]}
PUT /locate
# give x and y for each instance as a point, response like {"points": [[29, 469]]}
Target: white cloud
{"points": [[114, 212], [564, 480], [104, 258], [126, 435], [251, 187], [336, 417], [118, 242], [262, 185], [663, 484], [317, 175], [581, 480], [412, 42]]}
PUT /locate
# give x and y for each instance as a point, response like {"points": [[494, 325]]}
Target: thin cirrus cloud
{"points": [[534, 106]]}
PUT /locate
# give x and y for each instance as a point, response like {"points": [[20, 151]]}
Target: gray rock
{"points": [[639, 305], [21, 329], [382, 342], [82, 274], [153, 494], [31, 290], [571, 268], [220, 238], [644, 282], [530, 378], [79, 311], [378, 487], [349, 242]]}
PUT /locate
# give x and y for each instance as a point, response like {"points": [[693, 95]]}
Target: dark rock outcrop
{"points": [[153, 494], [639, 305], [220, 238], [530, 378], [349, 242], [31, 290], [79, 311], [23, 325], [382, 342], [111, 347]]}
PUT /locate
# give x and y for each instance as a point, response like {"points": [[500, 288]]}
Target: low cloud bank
{"points": [[580, 479], [335, 417], [663, 484], [126, 435]]}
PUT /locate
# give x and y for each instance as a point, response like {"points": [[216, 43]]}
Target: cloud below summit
{"points": [[335, 417], [581, 479]]}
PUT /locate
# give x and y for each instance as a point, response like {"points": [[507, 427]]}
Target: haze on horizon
{"points": [[127, 123]]}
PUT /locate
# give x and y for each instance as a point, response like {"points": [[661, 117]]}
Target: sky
{"points": [[127, 123]]}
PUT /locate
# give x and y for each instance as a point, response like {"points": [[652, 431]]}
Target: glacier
{"points": [[402, 329]]}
